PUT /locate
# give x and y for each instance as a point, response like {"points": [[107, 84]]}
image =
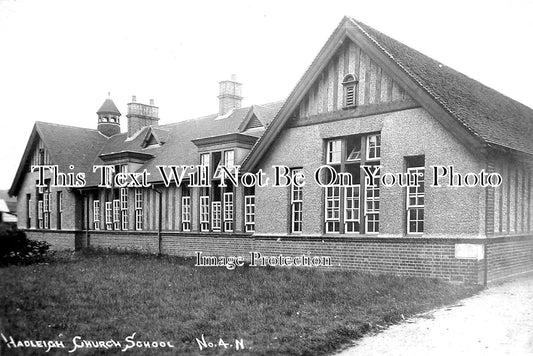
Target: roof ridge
{"points": [[63, 125], [214, 115], [270, 103]]}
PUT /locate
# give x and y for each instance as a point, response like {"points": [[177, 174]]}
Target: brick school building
{"points": [[366, 100]]}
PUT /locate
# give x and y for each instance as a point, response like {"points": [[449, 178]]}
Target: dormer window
{"points": [[373, 147], [350, 83], [204, 159], [228, 162], [333, 152], [152, 141], [155, 137], [204, 162], [229, 159]]}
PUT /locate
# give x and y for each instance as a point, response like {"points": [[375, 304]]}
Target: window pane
{"points": [[204, 159], [229, 159], [373, 147], [372, 204], [415, 202], [333, 151], [296, 204]]}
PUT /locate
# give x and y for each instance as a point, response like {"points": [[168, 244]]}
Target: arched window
{"points": [[350, 83]]}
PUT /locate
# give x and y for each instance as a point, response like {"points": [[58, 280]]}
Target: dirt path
{"points": [[498, 321]]}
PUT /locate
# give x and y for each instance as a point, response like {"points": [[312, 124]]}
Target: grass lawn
{"points": [[275, 311]]}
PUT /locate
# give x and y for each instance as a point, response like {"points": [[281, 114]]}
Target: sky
{"points": [[59, 59]]}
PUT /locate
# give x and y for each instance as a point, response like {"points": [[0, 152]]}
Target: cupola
{"points": [[108, 118]]}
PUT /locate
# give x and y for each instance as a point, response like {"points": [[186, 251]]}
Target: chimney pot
{"points": [[152, 102], [133, 98]]}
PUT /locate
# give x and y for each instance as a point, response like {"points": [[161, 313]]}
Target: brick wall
{"points": [[509, 256], [59, 240], [131, 241], [407, 257], [420, 257], [404, 256]]}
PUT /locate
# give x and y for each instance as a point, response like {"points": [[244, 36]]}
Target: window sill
{"points": [[351, 107]]}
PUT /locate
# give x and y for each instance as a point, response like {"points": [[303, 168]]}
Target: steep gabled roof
{"points": [[477, 115], [262, 113], [66, 145], [160, 135], [69, 144], [496, 118]]}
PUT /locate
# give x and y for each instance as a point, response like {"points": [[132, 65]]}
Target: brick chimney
{"points": [[141, 115], [229, 95]]}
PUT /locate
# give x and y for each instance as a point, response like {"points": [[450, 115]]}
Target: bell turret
{"points": [[108, 118]]}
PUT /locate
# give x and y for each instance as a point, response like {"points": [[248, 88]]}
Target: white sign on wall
{"points": [[469, 251]]}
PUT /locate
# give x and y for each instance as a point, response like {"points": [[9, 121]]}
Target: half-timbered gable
{"points": [[353, 82]]}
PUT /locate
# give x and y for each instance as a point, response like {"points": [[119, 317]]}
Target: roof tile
{"points": [[494, 117]]}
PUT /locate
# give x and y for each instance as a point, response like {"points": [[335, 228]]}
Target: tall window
{"points": [[59, 209], [415, 195], [185, 209], [349, 201], [46, 209], [372, 204], [228, 212], [249, 209], [96, 214], [116, 214], [333, 208], [204, 193], [186, 213], [373, 155], [108, 215], [40, 214], [124, 208], [217, 201], [296, 202], [204, 213], [216, 217], [43, 206], [28, 211], [351, 209], [138, 209], [350, 84]]}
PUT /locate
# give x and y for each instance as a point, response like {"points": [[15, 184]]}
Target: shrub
{"points": [[16, 248]]}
